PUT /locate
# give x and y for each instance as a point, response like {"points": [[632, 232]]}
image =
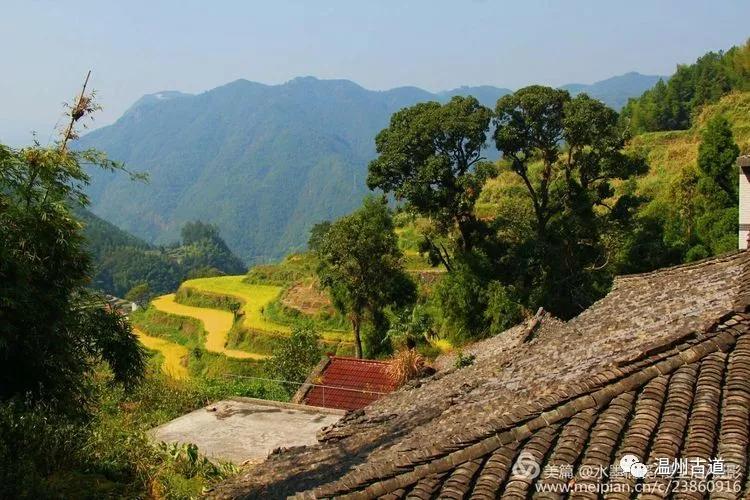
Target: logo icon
{"points": [[627, 461], [526, 466], [639, 470], [633, 466]]}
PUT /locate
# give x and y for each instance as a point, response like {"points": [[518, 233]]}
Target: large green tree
{"points": [[717, 159], [717, 204], [52, 329], [361, 265], [431, 157], [567, 152]]}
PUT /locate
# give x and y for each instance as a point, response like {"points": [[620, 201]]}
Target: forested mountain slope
{"points": [[262, 162], [673, 105], [121, 261], [677, 220], [103, 237]]}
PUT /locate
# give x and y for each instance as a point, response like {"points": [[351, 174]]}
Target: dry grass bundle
{"points": [[405, 365]]}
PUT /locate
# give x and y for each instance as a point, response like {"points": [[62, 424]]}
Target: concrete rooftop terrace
{"points": [[242, 429]]}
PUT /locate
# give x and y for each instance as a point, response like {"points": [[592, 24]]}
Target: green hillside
{"points": [[122, 261], [103, 237], [262, 162], [673, 105], [670, 152]]}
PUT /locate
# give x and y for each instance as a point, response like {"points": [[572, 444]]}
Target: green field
{"points": [[206, 323], [216, 323], [254, 298], [173, 354]]}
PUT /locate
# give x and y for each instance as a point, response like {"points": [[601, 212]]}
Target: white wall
{"points": [[744, 206]]}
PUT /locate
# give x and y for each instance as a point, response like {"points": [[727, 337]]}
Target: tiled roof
{"points": [[350, 384], [692, 401], [658, 368]]}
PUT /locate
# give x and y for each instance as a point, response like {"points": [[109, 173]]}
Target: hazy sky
{"points": [[136, 47]]}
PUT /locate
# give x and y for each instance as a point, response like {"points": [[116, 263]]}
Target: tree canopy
{"points": [[577, 141], [567, 152], [671, 105], [53, 329], [431, 156], [361, 265]]}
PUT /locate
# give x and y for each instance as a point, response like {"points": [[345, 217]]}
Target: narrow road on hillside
{"points": [[216, 323], [173, 354]]}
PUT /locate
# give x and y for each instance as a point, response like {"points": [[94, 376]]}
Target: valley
{"points": [[263, 320]]}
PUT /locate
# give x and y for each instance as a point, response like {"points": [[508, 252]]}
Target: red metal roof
{"points": [[350, 384]]}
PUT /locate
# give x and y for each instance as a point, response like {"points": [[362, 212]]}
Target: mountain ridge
{"points": [[631, 77]]}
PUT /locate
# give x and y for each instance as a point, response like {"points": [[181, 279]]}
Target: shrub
{"points": [[293, 268], [199, 298], [429, 351], [35, 442], [44, 454], [325, 319], [411, 327], [294, 359], [204, 272], [140, 294], [462, 299], [179, 329]]}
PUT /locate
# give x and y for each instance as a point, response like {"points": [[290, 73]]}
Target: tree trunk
{"points": [[465, 224], [356, 323]]}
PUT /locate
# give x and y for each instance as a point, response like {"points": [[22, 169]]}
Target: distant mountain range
{"points": [[262, 162], [616, 91]]}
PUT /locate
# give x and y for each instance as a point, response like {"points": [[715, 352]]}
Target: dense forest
{"points": [[672, 105]]}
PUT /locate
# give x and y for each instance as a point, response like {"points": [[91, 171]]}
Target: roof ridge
{"points": [[734, 254], [593, 392], [361, 360]]}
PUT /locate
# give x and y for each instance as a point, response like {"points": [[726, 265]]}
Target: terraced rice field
{"points": [[254, 298], [216, 323], [173, 354]]}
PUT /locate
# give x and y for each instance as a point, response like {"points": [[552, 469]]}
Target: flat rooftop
{"points": [[242, 429]]}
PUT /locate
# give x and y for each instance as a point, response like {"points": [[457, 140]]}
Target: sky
{"points": [[139, 47]]}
